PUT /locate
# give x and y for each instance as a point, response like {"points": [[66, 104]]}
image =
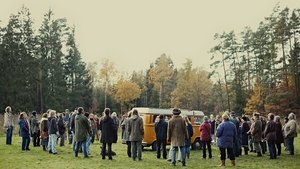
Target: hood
{"points": [[134, 117]]}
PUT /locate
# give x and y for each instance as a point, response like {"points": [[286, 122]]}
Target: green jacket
{"points": [[82, 127]]}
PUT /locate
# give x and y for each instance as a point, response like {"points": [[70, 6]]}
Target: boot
{"points": [[222, 163], [246, 149], [188, 155], [233, 162]]}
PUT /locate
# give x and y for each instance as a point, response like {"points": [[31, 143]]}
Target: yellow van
{"points": [[150, 116]]}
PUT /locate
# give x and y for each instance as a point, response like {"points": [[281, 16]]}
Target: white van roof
{"points": [[147, 110]]}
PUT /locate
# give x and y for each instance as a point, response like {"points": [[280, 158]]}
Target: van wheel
{"points": [[197, 144], [153, 146]]}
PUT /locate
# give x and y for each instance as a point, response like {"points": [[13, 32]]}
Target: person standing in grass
{"points": [[108, 134], [279, 135], [226, 134], [125, 137], [136, 134], [44, 131], [270, 135], [24, 131], [161, 129], [8, 124], [35, 130], [53, 132], [290, 132], [177, 134], [61, 129], [244, 132], [82, 130], [188, 140], [205, 137], [256, 132]]}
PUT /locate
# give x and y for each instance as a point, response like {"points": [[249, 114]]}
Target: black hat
{"points": [[176, 111]]}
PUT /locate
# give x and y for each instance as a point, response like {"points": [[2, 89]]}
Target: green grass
{"points": [[11, 157]]}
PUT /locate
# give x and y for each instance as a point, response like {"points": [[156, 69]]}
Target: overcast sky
{"points": [[133, 33]]}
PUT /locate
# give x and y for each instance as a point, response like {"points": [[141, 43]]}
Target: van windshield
{"points": [[198, 120]]}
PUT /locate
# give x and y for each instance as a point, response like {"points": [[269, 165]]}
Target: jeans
{"points": [[88, 143], [290, 145], [52, 143], [272, 149], [161, 145], [229, 152], [173, 154], [103, 152], [73, 140], [136, 149], [25, 143], [84, 148], [208, 144], [9, 134]]}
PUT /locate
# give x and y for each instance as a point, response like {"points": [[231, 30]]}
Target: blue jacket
{"points": [[226, 134], [24, 128]]}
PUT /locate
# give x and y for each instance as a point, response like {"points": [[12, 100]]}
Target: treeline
{"points": [[42, 68], [255, 70], [258, 70]]}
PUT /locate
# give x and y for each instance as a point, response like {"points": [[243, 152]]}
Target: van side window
{"points": [[155, 118]]}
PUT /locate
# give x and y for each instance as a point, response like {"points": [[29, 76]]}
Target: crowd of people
{"points": [[230, 133]]}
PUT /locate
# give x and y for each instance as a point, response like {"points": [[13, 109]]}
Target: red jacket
{"points": [[205, 130]]}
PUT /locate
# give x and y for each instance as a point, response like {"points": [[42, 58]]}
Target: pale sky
{"points": [[133, 33]]}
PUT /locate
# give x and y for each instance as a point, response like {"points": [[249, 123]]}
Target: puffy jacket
{"points": [[24, 128], [205, 130], [226, 133]]}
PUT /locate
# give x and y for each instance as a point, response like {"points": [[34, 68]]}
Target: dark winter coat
{"points": [[257, 131], [52, 125], [205, 129], [177, 132], [44, 128], [61, 126], [244, 130], [279, 133], [190, 132], [108, 130], [161, 129], [136, 128], [226, 134], [82, 127], [34, 124], [270, 131], [24, 128]]}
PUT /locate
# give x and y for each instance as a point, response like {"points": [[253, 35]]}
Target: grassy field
{"points": [[11, 157]]}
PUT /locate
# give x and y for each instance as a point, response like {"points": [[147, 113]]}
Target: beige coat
{"points": [[8, 120], [289, 129], [177, 132]]}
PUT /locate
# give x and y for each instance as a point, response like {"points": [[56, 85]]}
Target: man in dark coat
{"points": [[108, 133], [82, 130], [161, 129], [256, 132]]}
